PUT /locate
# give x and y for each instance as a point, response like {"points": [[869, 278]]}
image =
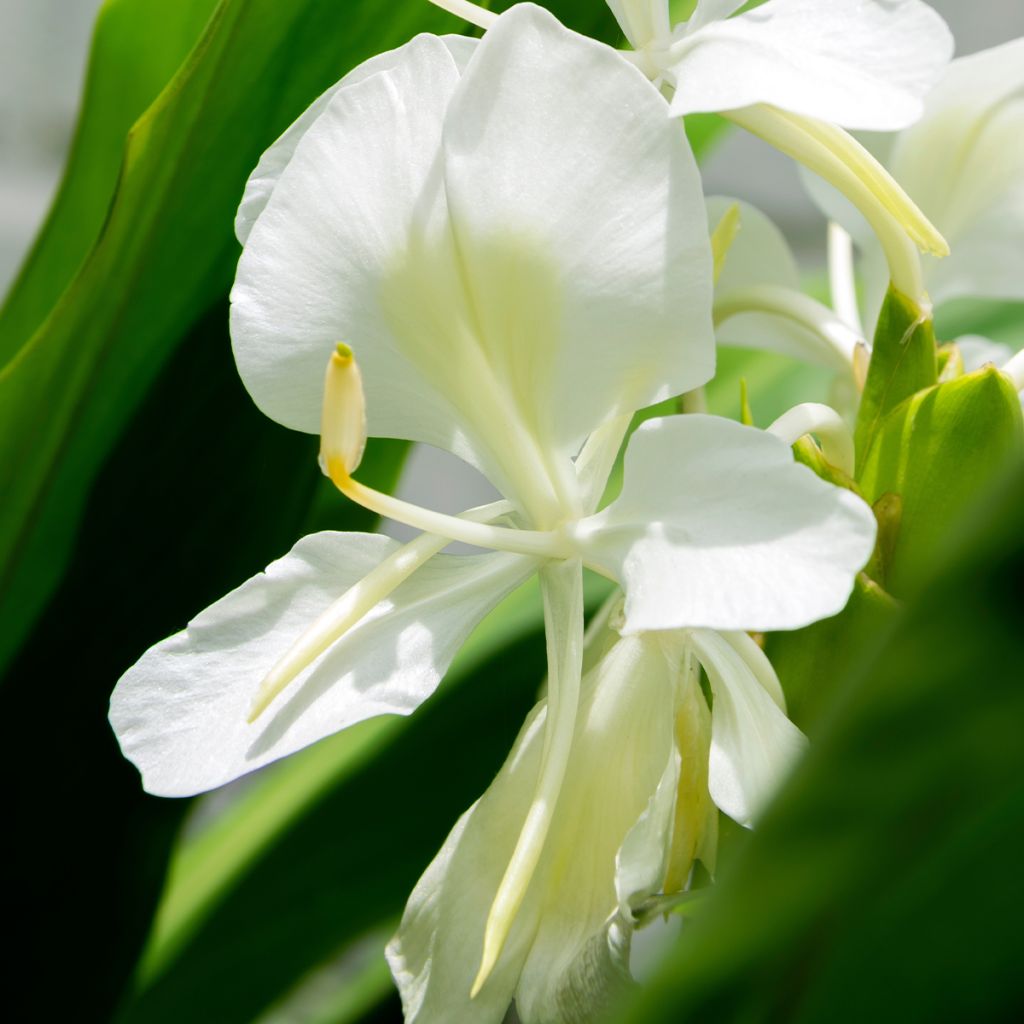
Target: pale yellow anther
{"points": [[343, 426]]}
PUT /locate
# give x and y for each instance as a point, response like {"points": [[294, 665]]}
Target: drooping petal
{"points": [[556, 954], [753, 743], [857, 63], [263, 179], [963, 163], [501, 314], [180, 713], [717, 526]]}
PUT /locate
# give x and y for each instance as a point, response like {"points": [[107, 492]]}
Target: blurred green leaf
{"points": [[138, 46], [903, 362], [884, 884], [936, 451]]}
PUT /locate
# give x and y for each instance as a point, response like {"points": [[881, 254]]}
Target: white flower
{"points": [[650, 764], [518, 266]]}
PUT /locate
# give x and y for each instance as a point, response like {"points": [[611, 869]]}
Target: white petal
{"points": [[717, 526], [858, 63], [622, 745], [580, 221], [180, 713], [263, 179], [963, 163], [623, 758], [508, 327], [311, 273], [753, 743]]}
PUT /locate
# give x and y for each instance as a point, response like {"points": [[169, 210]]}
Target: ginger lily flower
{"points": [[421, 215], [658, 762], [796, 72]]}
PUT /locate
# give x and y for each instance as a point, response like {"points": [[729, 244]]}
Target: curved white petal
{"points": [[753, 743], [759, 253], [579, 220], [495, 311], [963, 163], [263, 179], [857, 63], [717, 526], [180, 713], [557, 952], [708, 11]]}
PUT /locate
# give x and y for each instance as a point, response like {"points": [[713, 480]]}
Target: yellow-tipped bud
{"points": [[343, 427], [723, 236]]}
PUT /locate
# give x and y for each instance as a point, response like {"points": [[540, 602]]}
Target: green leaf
{"points": [[137, 48], [903, 362], [884, 884], [936, 451]]}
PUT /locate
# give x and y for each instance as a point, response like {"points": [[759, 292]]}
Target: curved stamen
{"points": [[842, 282]]}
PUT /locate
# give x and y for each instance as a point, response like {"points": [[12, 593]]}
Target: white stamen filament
{"points": [[842, 280], [539, 543], [473, 13], [825, 424], [353, 605], [837, 157], [562, 587], [837, 339]]}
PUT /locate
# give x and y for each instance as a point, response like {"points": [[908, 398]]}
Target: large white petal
{"points": [[753, 743], [622, 747], [263, 179], [717, 526], [580, 224], [336, 224], [180, 712], [858, 63]]}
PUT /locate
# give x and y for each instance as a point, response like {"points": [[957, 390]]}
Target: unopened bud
{"points": [[343, 427], [723, 236]]}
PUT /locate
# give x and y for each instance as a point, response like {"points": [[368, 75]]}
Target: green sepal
{"points": [[903, 361], [806, 452], [936, 450]]}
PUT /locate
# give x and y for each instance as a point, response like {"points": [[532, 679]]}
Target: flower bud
{"points": [[343, 427]]}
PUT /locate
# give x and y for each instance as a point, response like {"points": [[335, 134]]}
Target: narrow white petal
{"points": [[858, 63], [717, 526], [708, 11], [180, 713], [753, 743], [642, 21]]}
